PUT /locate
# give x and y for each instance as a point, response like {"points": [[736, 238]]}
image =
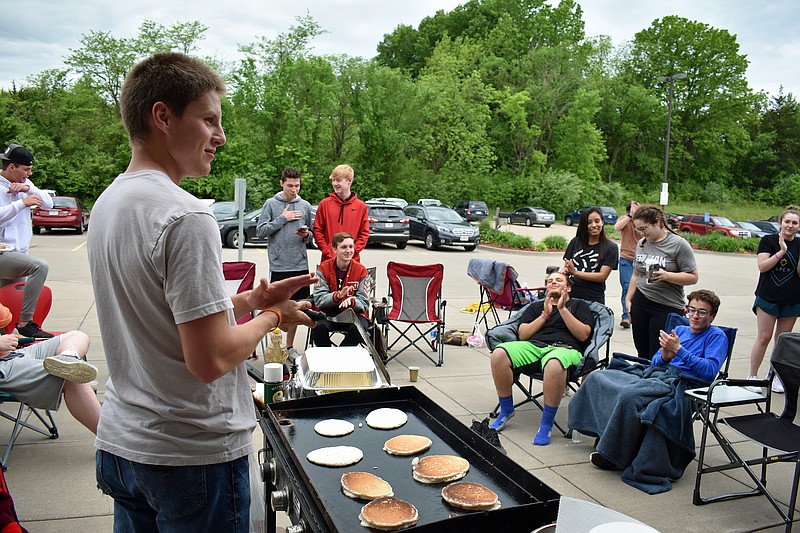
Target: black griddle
{"points": [[527, 503]]}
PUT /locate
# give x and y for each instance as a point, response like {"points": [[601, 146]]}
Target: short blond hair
{"points": [[342, 172]]}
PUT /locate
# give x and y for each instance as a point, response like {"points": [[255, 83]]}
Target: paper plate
{"points": [[5, 247]]}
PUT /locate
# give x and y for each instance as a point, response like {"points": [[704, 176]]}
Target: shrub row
{"points": [[716, 242]]}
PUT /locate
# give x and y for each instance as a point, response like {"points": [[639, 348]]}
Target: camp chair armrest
{"points": [[631, 358]]}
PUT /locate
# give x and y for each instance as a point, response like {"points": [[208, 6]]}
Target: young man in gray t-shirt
{"points": [[176, 425]]}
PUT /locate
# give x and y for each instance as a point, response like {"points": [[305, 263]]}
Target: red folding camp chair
{"points": [[500, 288], [240, 276], [11, 297], [415, 301]]}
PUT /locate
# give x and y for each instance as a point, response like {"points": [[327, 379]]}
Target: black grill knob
{"points": [[280, 500], [269, 472]]}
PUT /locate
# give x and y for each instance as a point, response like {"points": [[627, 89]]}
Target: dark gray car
{"points": [[388, 224], [441, 226]]}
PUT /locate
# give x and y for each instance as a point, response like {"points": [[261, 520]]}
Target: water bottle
{"points": [[576, 436]]}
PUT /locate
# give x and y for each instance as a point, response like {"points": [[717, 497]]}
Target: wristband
{"points": [[277, 313], [545, 315]]}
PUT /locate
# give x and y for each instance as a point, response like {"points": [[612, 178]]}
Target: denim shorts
{"points": [[176, 499]]}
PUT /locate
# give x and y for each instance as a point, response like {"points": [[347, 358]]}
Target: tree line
{"points": [[506, 101]]}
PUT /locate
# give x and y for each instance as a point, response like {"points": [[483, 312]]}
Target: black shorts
{"points": [[302, 293]]}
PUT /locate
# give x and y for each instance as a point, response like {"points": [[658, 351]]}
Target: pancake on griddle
{"points": [[386, 418], [439, 468], [334, 427], [335, 456], [388, 514], [407, 445], [470, 495], [365, 486]]}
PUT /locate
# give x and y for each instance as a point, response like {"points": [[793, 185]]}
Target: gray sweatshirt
{"points": [[285, 249]]}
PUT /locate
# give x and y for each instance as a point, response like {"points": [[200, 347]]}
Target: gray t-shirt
{"points": [[673, 254], [155, 259]]}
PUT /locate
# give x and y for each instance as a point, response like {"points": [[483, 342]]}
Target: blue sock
{"points": [[542, 437], [506, 410]]}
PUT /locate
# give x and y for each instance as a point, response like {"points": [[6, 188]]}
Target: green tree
{"points": [[709, 106]]}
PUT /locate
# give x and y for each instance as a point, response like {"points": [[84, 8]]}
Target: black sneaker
{"points": [[32, 329], [602, 462]]}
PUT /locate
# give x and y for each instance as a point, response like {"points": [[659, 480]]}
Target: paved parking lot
{"points": [[53, 481]]}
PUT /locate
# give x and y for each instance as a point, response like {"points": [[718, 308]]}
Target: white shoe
{"points": [[777, 385], [69, 368], [757, 390]]}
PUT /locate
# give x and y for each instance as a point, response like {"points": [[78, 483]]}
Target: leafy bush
{"points": [[717, 242], [557, 242], [503, 238]]}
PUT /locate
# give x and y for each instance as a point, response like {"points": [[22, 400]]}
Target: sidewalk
{"points": [[53, 483]]}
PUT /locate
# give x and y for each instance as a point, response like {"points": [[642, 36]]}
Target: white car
{"points": [[429, 202], [399, 202]]}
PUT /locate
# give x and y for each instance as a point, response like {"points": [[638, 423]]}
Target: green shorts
{"points": [[525, 353]]}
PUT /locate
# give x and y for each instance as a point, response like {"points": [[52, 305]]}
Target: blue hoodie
{"points": [[286, 250]]}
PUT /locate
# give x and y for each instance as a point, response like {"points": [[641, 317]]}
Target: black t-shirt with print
{"points": [[781, 284], [590, 258]]}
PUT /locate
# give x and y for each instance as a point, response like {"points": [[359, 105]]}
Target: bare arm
{"points": [[212, 347], [597, 277], [678, 278]]}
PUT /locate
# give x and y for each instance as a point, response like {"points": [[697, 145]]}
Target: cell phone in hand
{"points": [[650, 271]]}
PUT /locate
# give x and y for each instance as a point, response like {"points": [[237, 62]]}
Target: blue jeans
{"points": [[179, 499], [625, 273]]}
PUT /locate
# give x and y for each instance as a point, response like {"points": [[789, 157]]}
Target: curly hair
{"points": [[707, 296]]}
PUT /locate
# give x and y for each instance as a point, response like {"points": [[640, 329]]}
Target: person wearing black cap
{"points": [[17, 196]]}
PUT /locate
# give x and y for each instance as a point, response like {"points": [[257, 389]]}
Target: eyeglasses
{"points": [[702, 313], [641, 229]]}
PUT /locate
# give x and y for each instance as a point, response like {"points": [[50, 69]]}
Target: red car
{"points": [[67, 212], [695, 223]]}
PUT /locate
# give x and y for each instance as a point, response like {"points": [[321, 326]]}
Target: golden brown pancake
{"points": [[407, 445], [365, 486], [439, 468], [470, 495], [388, 514]]}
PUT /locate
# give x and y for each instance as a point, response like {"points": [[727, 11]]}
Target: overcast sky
{"points": [[766, 30]]}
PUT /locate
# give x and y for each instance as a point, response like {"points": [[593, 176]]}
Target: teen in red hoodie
{"points": [[341, 210]]}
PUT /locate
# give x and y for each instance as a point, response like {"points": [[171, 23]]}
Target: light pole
{"points": [[664, 187]]}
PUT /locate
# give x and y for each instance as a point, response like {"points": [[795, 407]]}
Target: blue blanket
{"points": [[642, 419]]}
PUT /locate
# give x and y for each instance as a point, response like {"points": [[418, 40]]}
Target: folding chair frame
{"points": [[48, 424], [421, 328], [589, 362], [737, 395], [512, 298]]}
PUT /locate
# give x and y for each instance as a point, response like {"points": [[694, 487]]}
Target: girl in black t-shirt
{"points": [[777, 304], [590, 257]]}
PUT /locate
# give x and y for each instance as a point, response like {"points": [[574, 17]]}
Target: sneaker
{"points": [[625, 323], [70, 368], [32, 329], [601, 461], [501, 420], [757, 390], [293, 355], [777, 385]]}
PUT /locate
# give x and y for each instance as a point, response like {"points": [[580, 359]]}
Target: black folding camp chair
{"points": [[602, 330], [777, 436]]}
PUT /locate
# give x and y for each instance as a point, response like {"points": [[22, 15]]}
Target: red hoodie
{"points": [[335, 215]]}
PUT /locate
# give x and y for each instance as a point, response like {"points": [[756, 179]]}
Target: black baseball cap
{"points": [[18, 155]]}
